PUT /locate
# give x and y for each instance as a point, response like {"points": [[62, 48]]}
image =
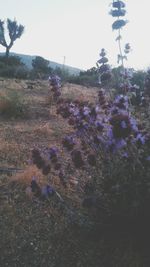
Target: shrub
{"points": [[112, 152], [12, 67], [85, 78], [12, 104]]}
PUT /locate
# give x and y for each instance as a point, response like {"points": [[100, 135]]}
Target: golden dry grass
{"points": [[42, 127]]}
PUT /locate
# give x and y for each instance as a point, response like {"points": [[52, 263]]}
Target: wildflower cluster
{"points": [[108, 124], [41, 192], [108, 140], [106, 144], [49, 162]]}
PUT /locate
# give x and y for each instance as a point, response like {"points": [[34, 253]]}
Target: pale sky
{"points": [[78, 29]]}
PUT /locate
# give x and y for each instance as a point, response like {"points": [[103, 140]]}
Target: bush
{"points": [[12, 104], [12, 67], [123, 195], [85, 78], [113, 150]]}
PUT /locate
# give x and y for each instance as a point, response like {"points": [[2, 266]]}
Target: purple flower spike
{"points": [[123, 124], [47, 191], [53, 152], [140, 139], [99, 125]]}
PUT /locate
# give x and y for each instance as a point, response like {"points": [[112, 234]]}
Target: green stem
{"points": [[120, 50]]}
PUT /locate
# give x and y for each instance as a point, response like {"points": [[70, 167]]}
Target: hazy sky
{"points": [[78, 29]]}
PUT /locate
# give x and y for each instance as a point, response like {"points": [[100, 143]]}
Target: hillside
{"points": [[27, 60], [31, 220], [58, 231]]}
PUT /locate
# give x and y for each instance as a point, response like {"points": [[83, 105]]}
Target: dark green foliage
{"points": [[41, 67], [147, 82], [126, 189], [11, 61], [139, 78], [116, 79], [86, 78], [40, 64], [12, 67], [14, 30], [62, 72]]}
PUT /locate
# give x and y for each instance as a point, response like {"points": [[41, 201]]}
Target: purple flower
{"points": [[123, 124], [47, 191], [140, 139], [125, 155], [120, 143], [86, 111], [121, 102], [99, 125], [53, 152], [98, 140], [133, 124], [119, 120]]}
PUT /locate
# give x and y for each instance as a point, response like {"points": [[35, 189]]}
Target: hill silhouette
{"points": [[27, 60]]}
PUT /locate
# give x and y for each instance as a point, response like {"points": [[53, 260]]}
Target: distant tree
{"points": [[14, 30], [13, 67], [86, 78], [41, 67], [138, 78], [58, 71], [147, 82], [62, 72]]}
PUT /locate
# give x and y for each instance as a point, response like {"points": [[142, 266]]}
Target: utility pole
{"points": [[64, 61]]}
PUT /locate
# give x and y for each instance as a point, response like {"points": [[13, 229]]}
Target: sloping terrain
{"points": [[35, 233], [27, 60]]}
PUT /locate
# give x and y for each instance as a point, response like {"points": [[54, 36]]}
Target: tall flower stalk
{"points": [[104, 70], [118, 11]]}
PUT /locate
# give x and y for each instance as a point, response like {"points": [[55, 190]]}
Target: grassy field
{"points": [[35, 233]]}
